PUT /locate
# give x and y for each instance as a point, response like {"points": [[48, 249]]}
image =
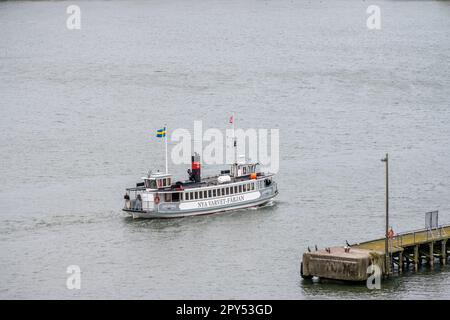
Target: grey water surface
{"points": [[79, 110]]}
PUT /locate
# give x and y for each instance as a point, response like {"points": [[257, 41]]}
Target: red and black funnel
{"points": [[195, 166]]}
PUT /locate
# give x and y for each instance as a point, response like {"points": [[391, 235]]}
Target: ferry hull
{"points": [[179, 214]]}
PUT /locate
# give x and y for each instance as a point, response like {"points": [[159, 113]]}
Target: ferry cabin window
{"points": [[150, 184], [201, 195], [223, 191], [167, 197], [244, 187], [210, 193], [244, 170], [240, 188], [176, 197], [196, 195], [231, 190], [162, 183], [186, 196], [214, 192], [205, 194], [191, 195], [235, 189]]}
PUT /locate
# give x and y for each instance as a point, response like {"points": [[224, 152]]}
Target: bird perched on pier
{"points": [[309, 250], [348, 244], [316, 248]]}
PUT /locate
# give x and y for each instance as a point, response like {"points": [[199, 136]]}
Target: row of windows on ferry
{"points": [[217, 192]]}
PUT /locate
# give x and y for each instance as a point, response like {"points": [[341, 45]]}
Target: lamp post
{"points": [[387, 262]]}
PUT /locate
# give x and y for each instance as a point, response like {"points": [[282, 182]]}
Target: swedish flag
{"points": [[161, 133]]}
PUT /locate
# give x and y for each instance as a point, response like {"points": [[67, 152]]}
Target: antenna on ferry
{"points": [[234, 137]]}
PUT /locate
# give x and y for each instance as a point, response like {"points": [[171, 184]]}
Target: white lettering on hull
{"points": [[220, 201]]}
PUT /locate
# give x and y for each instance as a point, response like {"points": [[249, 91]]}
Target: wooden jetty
{"points": [[393, 253], [405, 251]]}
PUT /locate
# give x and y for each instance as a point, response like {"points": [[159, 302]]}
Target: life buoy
{"points": [[156, 199], [391, 234]]}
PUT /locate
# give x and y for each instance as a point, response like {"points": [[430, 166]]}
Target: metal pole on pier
{"points": [[234, 139], [386, 241]]}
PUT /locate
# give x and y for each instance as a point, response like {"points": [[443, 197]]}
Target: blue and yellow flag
{"points": [[161, 133]]}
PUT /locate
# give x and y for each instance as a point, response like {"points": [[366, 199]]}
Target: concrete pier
{"points": [[339, 264], [351, 263]]}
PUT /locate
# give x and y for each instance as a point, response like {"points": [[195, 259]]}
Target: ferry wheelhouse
{"points": [[241, 186]]}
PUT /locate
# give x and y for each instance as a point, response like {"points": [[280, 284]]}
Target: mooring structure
{"points": [[406, 251], [394, 253]]}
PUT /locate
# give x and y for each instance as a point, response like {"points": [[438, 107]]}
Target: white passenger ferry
{"points": [[240, 187]]}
